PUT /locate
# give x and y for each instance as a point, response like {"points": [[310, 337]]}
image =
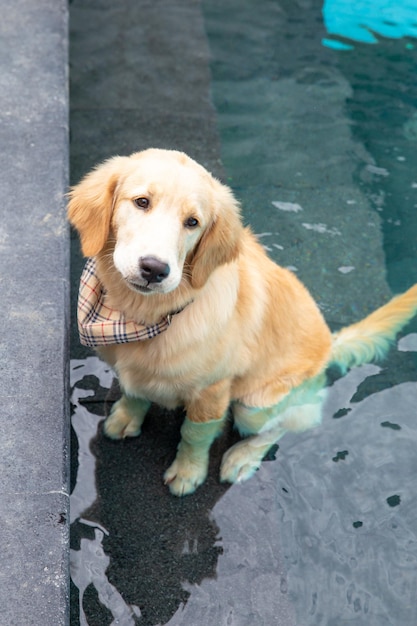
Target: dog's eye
{"points": [[191, 222], [142, 203]]}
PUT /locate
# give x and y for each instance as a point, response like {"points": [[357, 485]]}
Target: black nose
{"points": [[153, 270]]}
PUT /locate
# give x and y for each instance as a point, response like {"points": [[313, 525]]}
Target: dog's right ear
{"points": [[91, 204]]}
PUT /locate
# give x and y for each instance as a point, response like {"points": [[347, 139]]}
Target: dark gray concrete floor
{"points": [[141, 78], [34, 291]]}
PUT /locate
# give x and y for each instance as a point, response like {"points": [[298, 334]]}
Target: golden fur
{"points": [[249, 335]]}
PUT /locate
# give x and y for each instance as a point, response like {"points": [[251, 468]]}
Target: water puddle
{"points": [[90, 562]]}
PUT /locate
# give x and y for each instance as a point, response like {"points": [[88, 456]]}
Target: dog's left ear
{"points": [[220, 243], [91, 205]]}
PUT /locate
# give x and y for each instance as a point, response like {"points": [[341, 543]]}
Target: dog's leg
{"points": [[189, 470], [204, 422], [299, 410], [243, 459], [126, 417]]}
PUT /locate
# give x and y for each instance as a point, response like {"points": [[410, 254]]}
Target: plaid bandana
{"points": [[99, 325]]}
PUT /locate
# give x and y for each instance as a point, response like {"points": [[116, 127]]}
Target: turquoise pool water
{"points": [[316, 107]]}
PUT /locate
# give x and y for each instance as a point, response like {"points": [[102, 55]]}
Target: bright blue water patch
{"points": [[364, 21], [335, 44]]}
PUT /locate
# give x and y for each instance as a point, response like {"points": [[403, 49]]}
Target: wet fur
{"points": [[250, 335]]}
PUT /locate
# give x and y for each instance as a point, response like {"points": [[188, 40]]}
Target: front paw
{"points": [[119, 426], [126, 418], [185, 475]]}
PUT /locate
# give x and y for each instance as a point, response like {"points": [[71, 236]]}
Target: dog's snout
{"points": [[153, 270]]}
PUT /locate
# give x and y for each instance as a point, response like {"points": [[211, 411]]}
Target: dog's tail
{"points": [[371, 338]]}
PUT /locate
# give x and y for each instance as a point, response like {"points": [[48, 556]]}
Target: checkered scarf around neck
{"points": [[99, 325]]}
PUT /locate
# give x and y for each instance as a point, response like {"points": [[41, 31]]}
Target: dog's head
{"points": [[161, 216]]}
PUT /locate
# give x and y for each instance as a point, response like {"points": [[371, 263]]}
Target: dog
{"points": [[201, 317]]}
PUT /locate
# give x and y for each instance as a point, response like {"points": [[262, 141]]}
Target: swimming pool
{"points": [[317, 130]]}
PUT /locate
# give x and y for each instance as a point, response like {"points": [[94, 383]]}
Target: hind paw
{"points": [[240, 462]]}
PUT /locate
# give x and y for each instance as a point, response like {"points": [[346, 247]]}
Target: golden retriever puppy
{"points": [[182, 301]]}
